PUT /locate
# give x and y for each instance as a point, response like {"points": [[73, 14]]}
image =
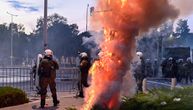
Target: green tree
{"points": [[20, 42], [182, 28], [182, 32], [63, 38], [156, 40]]}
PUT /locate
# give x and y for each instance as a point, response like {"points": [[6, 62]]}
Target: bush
{"points": [[160, 99], [11, 96], [157, 99]]}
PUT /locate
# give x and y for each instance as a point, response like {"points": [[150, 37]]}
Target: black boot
{"points": [[42, 103], [81, 94], [55, 101]]}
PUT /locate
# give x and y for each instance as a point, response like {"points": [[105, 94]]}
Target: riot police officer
{"points": [[180, 73], [188, 70], [47, 73], [172, 68], [84, 69], [139, 71], [164, 67], [148, 68], [155, 68]]}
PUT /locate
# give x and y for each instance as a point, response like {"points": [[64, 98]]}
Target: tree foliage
{"points": [[63, 39], [182, 27], [165, 36], [20, 42]]}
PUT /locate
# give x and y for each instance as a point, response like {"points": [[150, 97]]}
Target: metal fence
{"points": [[22, 78], [67, 79]]}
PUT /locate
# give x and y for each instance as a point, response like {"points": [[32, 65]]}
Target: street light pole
{"points": [[11, 57], [45, 30], [87, 17], [160, 48]]}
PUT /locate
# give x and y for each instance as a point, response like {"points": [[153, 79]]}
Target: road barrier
{"points": [[152, 81]]}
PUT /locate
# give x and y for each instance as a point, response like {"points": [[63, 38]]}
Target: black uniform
{"points": [[188, 71], [164, 68], [84, 69], [155, 68], [140, 73], [172, 68], [148, 69], [47, 73], [180, 73]]}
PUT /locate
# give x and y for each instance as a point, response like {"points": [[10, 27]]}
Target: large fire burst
{"points": [[122, 22]]}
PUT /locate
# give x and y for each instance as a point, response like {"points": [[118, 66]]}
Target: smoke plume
{"points": [[122, 21], [93, 42], [185, 6]]}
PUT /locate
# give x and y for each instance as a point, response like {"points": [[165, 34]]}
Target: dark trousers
{"points": [[44, 82], [188, 78], [83, 83], [139, 85]]}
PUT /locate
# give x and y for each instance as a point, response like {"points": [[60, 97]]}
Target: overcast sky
{"points": [[29, 10]]}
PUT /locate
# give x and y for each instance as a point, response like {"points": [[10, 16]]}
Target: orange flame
{"points": [[122, 24]]}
